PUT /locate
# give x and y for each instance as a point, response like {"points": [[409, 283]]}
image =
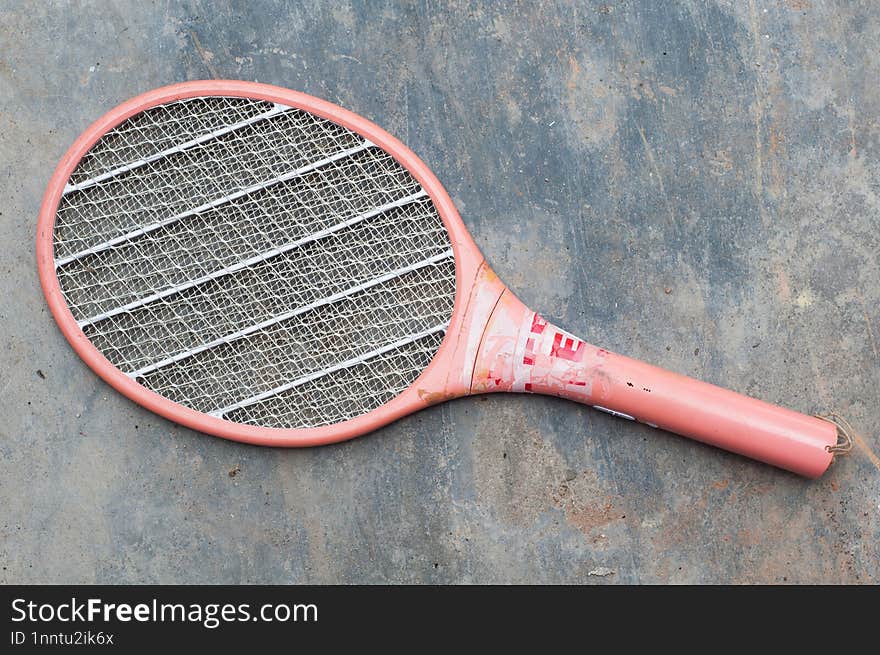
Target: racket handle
{"points": [[716, 416], [520, 351]]}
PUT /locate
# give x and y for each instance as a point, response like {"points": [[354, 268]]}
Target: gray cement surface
{"points": [[692, 183]]}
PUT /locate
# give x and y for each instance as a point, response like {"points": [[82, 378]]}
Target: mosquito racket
{"points": [[264, 266]]}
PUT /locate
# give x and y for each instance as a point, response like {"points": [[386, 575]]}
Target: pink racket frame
{"points": [[494, 343]]}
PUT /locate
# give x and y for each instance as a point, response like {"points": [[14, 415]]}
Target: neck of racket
{"points": [[519, 351]]}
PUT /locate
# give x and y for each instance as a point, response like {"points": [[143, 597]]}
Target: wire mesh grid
{"points": [[162, 127], [367, 386], [258, 263], [171, 188]]}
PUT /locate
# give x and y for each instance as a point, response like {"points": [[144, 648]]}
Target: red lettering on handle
{"points": [[566, 347], [538, 324]]}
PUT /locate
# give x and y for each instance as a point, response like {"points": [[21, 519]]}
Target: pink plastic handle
{"points": [[520, 351], [713, 415]]}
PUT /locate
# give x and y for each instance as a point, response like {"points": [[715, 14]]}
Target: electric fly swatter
{"points": [[264, 266]]}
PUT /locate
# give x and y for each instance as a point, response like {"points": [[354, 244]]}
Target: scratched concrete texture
{"points": [[692, 183]]}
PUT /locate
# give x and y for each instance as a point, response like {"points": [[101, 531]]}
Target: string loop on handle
{"points": [[844, 431]]}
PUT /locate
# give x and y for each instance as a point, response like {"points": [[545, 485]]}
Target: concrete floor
{"points": [[726, 151]]}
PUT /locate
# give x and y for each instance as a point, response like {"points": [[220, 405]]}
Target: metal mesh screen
{"points": [[254, 262]]}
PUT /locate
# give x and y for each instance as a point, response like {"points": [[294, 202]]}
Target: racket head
{"points": [[446, 376]]}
